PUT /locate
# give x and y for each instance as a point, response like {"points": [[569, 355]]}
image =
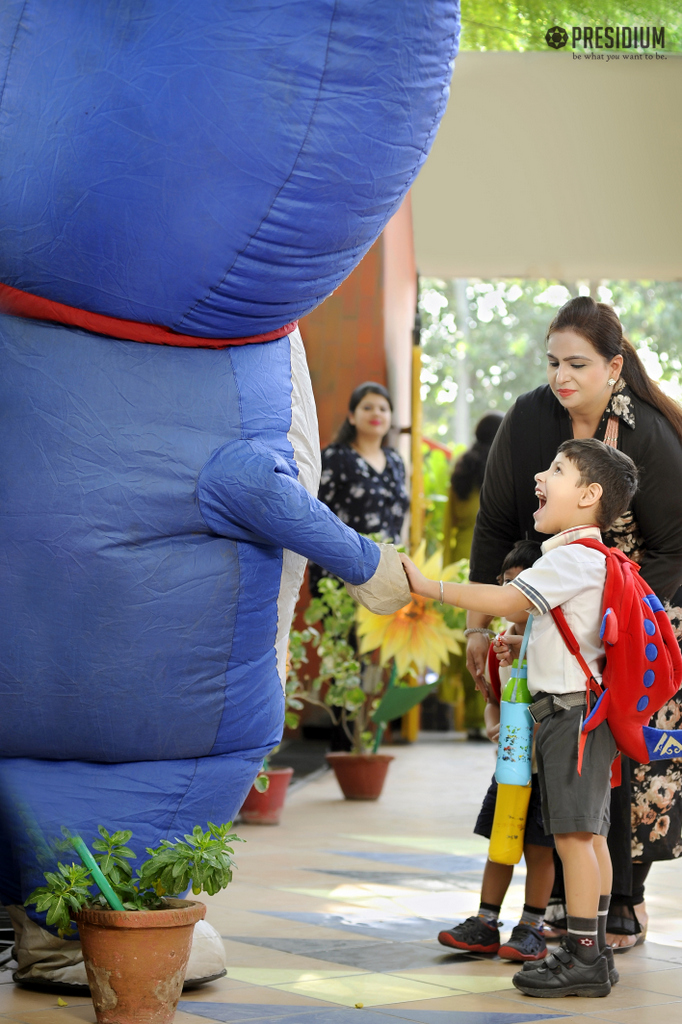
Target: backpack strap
{"points": [[597, 545], [591, 684]]}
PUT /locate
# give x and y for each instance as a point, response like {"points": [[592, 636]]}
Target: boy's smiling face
{"points": [[564, 500]]}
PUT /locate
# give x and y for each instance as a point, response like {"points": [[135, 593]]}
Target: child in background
{"points": [[586, 488], [481, 934]]}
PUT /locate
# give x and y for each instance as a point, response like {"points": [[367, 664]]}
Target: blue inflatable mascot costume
{"points": [[179, 184]]}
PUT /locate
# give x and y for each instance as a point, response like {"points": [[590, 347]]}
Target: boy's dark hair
{"points": [[524, 554], [598, 463]]}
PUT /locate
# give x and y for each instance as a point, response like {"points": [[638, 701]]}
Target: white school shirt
{"points": [[573, 578]]}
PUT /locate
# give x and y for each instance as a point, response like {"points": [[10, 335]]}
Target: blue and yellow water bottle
{"points": [[514, 757]]}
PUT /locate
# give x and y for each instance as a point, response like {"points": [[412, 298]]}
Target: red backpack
{"points": [[643, 663]]}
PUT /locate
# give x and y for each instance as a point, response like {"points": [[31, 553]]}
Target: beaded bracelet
{"points": [[479, 629]]}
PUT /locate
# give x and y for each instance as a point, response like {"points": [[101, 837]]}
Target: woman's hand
{"points": [[419, 584], [477, 660]]}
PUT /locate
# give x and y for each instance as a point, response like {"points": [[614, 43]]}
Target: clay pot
{"points": [[136, 960], [266, 808], [360, 776]]}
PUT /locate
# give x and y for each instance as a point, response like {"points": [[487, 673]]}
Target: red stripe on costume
{"points": [[33, 307]]}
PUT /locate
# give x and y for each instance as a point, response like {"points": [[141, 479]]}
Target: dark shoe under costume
{"points": [[563, 973], [524, 943], [474, 935], [614, 976]]}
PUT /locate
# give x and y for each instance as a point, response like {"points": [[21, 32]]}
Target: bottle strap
{"points": [[526, 637], [522, 653]]}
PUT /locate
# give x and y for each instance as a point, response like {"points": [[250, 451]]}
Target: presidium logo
{"points": [[556, 37], [608, 37]]}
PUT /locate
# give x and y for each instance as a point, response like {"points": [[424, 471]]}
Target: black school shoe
{"points": [[524, 943], [563, 973], [614, 976], [474, 935]]}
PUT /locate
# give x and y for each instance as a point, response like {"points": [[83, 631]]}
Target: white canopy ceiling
{"points": [[549, 166]]}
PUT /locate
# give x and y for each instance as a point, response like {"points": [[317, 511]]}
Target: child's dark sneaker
{"points": [[564, 974], [474, 935], [614, 976], [524, 943]]}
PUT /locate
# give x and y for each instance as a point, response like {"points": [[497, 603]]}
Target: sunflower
{"points": [[417, 635]]}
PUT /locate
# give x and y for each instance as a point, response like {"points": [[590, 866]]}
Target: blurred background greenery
{"points": [[484, 343], [491, 25]]}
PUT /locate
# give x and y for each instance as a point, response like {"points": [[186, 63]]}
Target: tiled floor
{"points": [[333, 915]]}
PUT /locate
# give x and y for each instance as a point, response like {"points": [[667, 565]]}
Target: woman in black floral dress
{"points": [[599, 388], [363, 480]]}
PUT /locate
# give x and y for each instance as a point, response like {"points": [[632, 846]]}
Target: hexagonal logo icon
{"points": [[556, 37]]}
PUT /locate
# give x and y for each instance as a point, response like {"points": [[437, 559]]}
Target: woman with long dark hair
{"points": [[465, 487], [363, 479], [458, 532], [598, 387]]}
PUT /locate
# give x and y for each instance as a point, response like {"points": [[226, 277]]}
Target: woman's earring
{"points": [[611, 382]]}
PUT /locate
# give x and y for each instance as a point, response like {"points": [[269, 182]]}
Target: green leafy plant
{"points": [[352, 685], [66, 892], [202, 860], [437, 472], [262, 783]]}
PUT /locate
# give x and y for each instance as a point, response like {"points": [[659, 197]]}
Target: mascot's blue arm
{"points": [[249, 492]]}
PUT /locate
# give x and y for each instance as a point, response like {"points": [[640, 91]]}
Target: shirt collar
{"points": [[567, 536]]}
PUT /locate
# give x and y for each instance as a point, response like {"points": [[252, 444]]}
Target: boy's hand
{"points": [[419, 584], [493, 733], [507, 647]]}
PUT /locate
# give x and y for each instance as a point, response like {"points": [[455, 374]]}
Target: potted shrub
{"points": [[136, 934], [265, 800], [412, 639]]}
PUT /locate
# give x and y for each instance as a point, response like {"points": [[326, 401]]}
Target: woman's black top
{"points": [[369, 501], [526, 444]]}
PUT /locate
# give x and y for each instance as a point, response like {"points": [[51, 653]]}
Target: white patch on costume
{"points": [[304, 436]]}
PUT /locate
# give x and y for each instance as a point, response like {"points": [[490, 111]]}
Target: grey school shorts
{"points": [[572, 802]]}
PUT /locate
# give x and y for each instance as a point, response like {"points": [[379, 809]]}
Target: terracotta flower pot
{"points": [[136, 960], [266, 808], [360, 776]]}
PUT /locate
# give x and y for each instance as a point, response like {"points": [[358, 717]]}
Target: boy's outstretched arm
{"points": [[476, 597]]}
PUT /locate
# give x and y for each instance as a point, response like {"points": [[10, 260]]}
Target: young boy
{"points": [[481, 933], [587, 487]]}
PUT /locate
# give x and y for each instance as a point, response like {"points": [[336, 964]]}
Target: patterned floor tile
{"points": [[381, 927], [281, 976], [442, 864], [462, 982], [368, 989], [372, 956]]}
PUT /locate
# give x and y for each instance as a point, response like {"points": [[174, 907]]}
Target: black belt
{"points": [[553, 702]]}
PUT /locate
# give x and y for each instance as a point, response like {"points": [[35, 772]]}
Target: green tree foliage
{"points": [[503, 342], [491, 25]]}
